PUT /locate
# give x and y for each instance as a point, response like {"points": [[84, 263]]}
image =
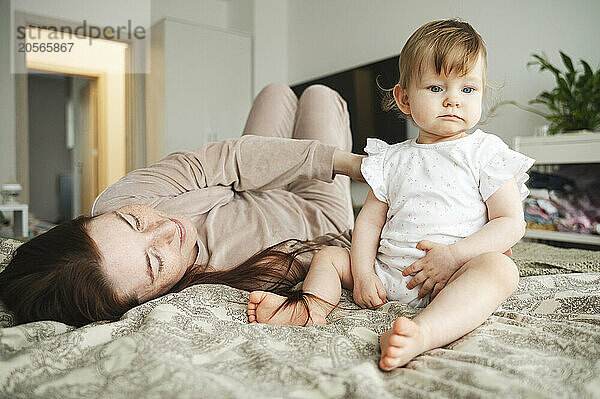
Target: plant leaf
{"points": [[567, 61], [574, 103], [587, 69]]}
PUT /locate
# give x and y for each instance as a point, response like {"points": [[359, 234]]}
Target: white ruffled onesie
{"points": [[434, 192]]}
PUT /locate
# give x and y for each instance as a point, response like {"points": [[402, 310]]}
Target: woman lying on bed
{"points": [[232, 212]]}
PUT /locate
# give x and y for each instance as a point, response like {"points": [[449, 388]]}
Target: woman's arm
{"points": [[347, 163], [248, 163], [368, 290]]}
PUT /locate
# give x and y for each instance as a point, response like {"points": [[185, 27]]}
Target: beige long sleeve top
{"points": [[234, 193]]}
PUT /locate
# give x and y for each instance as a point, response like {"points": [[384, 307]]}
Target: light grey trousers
{"points": [[320, 114]]}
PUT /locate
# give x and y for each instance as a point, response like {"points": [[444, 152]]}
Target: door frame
{"points": [[135, 136]]}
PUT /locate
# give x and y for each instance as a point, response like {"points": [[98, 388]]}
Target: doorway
{"points": [[78, 125], [62, 145]]}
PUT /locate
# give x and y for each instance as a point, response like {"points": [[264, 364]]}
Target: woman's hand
{"points": [[368, 291], [433, 270], [347, 163]]}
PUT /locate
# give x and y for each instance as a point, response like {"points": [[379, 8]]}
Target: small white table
{"points": [[20, 218]]}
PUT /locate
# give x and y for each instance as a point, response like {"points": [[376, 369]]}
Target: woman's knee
{"points": [[274, 90], [320, 92]]}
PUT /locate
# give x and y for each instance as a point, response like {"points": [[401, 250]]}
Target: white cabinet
{"points": [[199, 88], [574, 148], [20, 218]]}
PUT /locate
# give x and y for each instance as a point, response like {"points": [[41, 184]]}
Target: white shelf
{"points": [[570, 148], [561, 148], [590, 239]]}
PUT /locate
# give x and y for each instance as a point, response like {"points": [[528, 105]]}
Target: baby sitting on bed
{"points": [[442, 208]]}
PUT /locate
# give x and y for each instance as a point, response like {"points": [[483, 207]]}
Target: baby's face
{"points": [[445, 106]]}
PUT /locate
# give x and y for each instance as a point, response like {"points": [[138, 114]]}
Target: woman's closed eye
{"points": [[132, 220], [159, 258], [138, 223], [155, 262]]}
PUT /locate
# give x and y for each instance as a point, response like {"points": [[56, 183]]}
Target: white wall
{"points": [[267, 22], [206, 12], [332, 35], [107, 12], [270, 43], [8, 167], [296, 40]]}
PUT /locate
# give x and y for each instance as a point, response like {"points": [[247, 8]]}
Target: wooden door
{"points": [[88, 149]]}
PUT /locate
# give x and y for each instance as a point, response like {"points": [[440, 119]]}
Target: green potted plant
{"points": [[574, 104]]}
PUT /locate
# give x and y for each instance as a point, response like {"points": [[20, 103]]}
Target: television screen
{"points": [[358, 86]]}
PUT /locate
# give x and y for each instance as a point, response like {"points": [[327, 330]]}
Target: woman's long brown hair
{"points": [[276, 268], [57, 276]]}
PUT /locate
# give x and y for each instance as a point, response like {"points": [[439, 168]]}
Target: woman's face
{"points": [[145, 251]]}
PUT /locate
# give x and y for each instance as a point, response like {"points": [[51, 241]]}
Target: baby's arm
{"points": [[368, 290], [506, 225], [504, 228]]}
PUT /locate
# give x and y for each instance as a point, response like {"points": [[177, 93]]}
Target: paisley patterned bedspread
{"points": [[545, 342]]}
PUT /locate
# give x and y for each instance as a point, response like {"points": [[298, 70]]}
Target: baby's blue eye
{"points": [[468, 90], [435, 89]]}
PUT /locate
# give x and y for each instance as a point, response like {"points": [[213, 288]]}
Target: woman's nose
{"points": [[166, 230]]}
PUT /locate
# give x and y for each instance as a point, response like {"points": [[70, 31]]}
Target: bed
{"points": [[544, 342]]}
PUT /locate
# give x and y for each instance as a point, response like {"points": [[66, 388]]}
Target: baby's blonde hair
{"points": [[451, 46]]}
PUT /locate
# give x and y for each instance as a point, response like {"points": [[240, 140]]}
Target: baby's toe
{"points": [[398, 341], [392, 352], [387, 363], [405, 326], [256, 297]]}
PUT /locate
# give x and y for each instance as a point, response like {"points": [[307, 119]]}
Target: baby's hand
{"points": [[433, 270], [369, 291]]}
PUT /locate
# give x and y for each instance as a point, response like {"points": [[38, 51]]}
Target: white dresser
{"points": [[575, 148]]}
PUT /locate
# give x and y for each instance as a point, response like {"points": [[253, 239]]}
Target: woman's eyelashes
{"points": [[158, 258], [155, 263], [134, 221]]}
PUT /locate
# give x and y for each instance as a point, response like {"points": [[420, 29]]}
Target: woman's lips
{"points": [[181, 231]]}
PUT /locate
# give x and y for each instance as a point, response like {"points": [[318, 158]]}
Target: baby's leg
{"points": [[329, 271], [472, 294]]}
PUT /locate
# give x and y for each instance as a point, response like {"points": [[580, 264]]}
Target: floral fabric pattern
{"points": [[545, 342]]}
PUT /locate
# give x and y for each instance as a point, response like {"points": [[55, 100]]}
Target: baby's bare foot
{"points": [[263, 304], [400, 344]]}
